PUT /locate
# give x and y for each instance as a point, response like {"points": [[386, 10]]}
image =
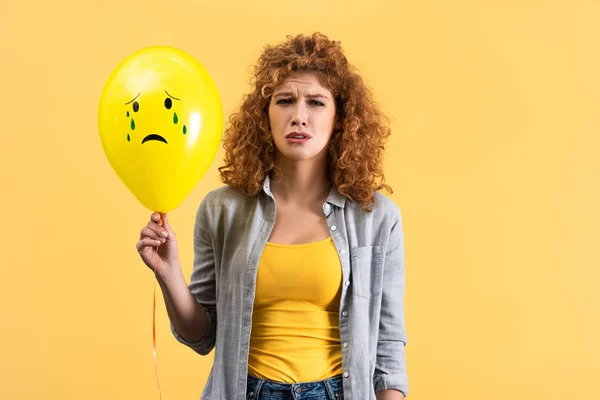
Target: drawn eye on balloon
{"points": [[134, 104]]}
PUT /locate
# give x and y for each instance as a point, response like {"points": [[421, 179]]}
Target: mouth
{"points": [[298, 135], [154, 137]]}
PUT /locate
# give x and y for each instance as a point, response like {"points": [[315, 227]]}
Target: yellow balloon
{"points": [[160, 120]]}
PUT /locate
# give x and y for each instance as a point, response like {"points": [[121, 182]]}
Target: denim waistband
{"points": [[331, 388]]}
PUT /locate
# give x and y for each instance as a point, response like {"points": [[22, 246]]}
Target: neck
{"points": [[304, 183]]}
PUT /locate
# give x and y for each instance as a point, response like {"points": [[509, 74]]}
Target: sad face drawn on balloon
{"points": [[168, 105]]}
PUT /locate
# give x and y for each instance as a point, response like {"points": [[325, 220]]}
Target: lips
{"points": [[298, 135], [154, 137]]}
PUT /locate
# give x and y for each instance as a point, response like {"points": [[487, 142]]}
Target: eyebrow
{"points": [[175, 98], [138, 95], [291, 94]]}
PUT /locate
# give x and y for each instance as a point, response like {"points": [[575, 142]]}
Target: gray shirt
{"points": [[231, 231]]}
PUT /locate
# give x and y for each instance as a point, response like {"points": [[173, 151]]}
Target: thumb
{"points": [[165, 220]]}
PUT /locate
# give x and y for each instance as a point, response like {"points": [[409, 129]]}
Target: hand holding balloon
{"points": [[162, 236]]}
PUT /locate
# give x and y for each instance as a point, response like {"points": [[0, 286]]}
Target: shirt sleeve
{"points": [[202, 282], [390, 366]]}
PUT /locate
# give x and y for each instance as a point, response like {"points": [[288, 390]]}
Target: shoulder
{"points": [[383, 209], [223, 195], [387, 206], [217, 201]]}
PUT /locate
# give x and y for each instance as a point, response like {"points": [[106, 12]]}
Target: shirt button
{"points": [[347, 283], [333, 228], [342, 251], [345, 313], [345, 344], [345, 374], [327, 206]]}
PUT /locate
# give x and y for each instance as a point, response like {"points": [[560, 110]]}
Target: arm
{"points": [[187, 316], [390, 378], [198, 330]]}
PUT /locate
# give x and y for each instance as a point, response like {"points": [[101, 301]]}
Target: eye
{"points": [[317, 103], [136, 106], [284, 101], [168, 103]]}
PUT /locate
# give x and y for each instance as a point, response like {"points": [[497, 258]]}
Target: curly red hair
{"points": [[357, 141]]}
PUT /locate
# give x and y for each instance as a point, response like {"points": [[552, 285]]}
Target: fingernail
{"points": [[164, 233]]}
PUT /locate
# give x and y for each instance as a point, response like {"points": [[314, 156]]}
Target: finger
{"points": [[167, 225], [153, 232], [147, 242], [158, 229], [155, 217]]}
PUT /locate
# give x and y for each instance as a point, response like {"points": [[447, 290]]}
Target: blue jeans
{"points": [[328, 389]]}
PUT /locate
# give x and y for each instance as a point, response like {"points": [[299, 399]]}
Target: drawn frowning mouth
{"points": [[154, 137]]}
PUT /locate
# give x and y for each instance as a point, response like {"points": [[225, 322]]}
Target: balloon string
{"points": [[154, 326]]}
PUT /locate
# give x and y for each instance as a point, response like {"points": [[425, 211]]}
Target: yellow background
{"points": [[494, 161]]}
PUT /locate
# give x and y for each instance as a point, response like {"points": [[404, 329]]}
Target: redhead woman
{"points": [[298, 277]]}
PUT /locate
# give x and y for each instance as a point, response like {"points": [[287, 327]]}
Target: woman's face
{"points": [[302, 117]]}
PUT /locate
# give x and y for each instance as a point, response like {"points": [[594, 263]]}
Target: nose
{"points": [[300, 115]]}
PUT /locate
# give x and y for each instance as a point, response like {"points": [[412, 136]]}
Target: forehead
{"points": [[305, 83]]}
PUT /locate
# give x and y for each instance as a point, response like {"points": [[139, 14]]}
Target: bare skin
{"points": [[301, 104]]}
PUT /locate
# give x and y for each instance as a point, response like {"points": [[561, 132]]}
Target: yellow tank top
{"points": [[295, 322]]}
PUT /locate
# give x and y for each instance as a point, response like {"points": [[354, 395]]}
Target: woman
{"points": [[298, 279]]}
